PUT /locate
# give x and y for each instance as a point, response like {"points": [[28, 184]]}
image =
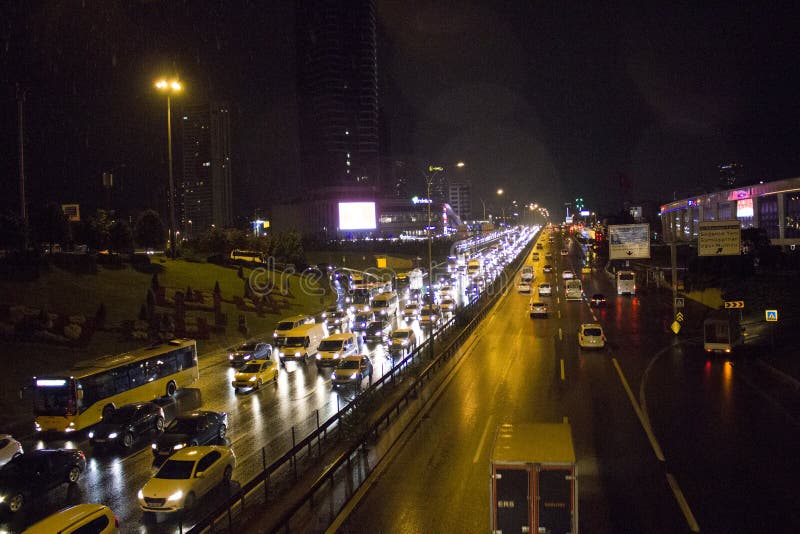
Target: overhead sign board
{"points": [[720, 238], [629, 241]]}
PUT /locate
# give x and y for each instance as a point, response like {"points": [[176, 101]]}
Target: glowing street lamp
{"points": [[170, 87]]}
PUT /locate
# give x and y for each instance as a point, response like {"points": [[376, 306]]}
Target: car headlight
{"points": [[230, 356], [404, 342], [178, 446], [37, 427], [297, 354], [175, 496], [333, 375], [154, 446], [319, 356], [91, 435], [252, 379], [354, 376], [112, 435], [140, 494]]}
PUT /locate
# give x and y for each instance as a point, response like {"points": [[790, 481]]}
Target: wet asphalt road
{"points": [[720, 455]]}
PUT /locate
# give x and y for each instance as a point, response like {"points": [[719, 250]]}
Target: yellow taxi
{"points": [[255, 373]]}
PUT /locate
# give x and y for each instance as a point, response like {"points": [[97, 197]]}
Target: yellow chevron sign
{"points": [[734, 304]]}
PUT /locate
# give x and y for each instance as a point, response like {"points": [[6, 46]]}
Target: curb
{"points": [[780, 375]]}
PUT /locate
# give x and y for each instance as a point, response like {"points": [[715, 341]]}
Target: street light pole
{"points": [[429, 176], [170, 87], [171, 181]]}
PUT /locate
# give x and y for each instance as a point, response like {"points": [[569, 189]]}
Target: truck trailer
{"points": [[534, 479]]}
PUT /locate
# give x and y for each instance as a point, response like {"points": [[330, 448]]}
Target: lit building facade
{"points": [[459, 196], [773, 206], [338, 92], [205, 191]]}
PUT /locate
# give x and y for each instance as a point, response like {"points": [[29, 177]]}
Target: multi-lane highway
{"points": [[302, 397], [667, 440]]}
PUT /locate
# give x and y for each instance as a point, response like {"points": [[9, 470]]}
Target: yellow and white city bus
{"points": [[80, 397]]}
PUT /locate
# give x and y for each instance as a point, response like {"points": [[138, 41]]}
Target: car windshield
{"points": [[598, 297], [330, 345], [294, 342], [247, 347], [348, 364], [427, 310], [545, 286], [121, 415], [336, 315], [412, 306], [375, 327], [285, 325], [401, 335], [175, 470], [251, 368], [183, 425], [595, 332]]}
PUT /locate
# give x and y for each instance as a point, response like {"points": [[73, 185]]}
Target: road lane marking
{"points": [[483, 439], [566, 420], [638, 410], [562, 369], [687, 512], [559, 314], [558, 300], [560, 334]]}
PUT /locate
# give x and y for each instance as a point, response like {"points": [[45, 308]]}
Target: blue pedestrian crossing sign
{"points": [[771, 315]]}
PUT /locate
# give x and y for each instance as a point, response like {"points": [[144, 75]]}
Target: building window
{"points": [[724, 213], [792, 213], [768, 215]]}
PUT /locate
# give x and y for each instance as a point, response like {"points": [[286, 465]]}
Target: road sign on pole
{"points": [[734, 304], [771, 316], [628, 241], [719, 238], [679, 317], [679, 302]]}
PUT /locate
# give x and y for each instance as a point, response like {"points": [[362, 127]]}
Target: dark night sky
{"points": [[548, 100]]}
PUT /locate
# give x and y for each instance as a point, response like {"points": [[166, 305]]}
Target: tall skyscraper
{"points": [[459, 196], [205, 191], [338, 92]]}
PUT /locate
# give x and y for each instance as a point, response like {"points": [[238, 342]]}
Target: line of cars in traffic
{"points": [[191, 451], [590, 335]]}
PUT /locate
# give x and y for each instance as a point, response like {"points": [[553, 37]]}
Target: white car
{"points": [[185, 477], [9, 448], [537, 309], [591, 336], [564, 252], [545, 290], [524, 287], [567, 274]]}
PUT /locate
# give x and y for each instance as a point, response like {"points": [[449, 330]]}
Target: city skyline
{"points": [[607, 103]]}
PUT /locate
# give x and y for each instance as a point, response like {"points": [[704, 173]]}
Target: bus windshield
{"points": [[53, 397], [294, 342]]}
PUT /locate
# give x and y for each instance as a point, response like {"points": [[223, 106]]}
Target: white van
{"points": [[300, 343], [288, 323], [334, 348], [386, 304]]}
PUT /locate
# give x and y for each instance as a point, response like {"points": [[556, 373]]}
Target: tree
{"points": [[121, 236], [51, 225], [12, 231], [98, 230], [149, 230], [288, 248]]}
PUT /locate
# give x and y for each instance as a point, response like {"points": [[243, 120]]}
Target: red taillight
{"points": [[116, 521], [83, 456]]}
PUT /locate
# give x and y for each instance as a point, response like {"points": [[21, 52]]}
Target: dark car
{"points": [[251, 350], [597, 300], [33, 473], [378, 332], [196, 428], [127, 424], [548, 268], [539, 246]]}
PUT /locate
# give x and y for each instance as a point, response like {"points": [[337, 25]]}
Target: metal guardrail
{"points": [[474, 312]]}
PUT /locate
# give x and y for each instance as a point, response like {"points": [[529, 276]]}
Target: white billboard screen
{"points": [[357, 216]]}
